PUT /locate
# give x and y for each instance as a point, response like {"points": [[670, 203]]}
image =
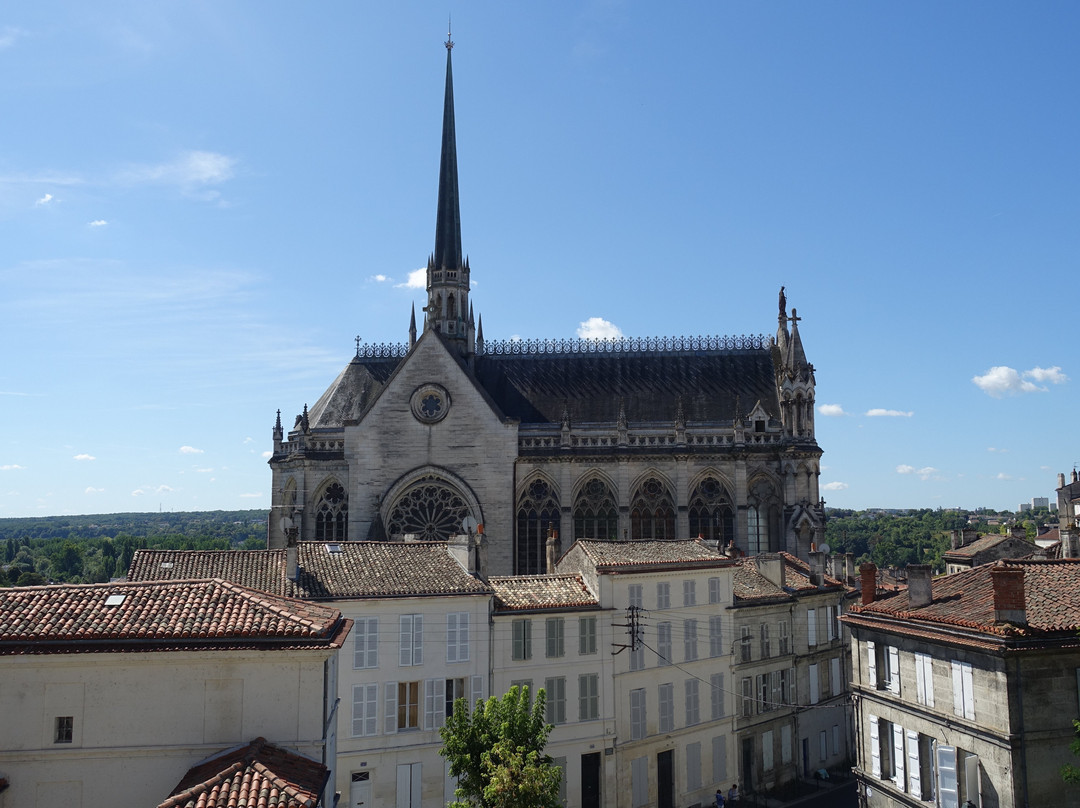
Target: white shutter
{"points": [[830, 613], [463, 637], [834, 676], [914, 773], [767, 750], [451, 637], [418, 640], [811, 627], [358, 714], [404, 786], [894, 670], [948, 797], [390, 718], [920, 678], [871, 664], [477, 691], [969, 692], [693, 766], [719, 758], [875, 748], [429, 703], [405, 637], [785, 744], [813, 684], [898, 755], [639, 782], [957, 689], [972, 789]]}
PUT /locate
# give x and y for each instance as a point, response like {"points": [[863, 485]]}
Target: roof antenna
{"points": [[449, 41]]}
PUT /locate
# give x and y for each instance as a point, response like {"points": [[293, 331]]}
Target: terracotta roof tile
{"points": [[797, 575], [984, 543], [750, 585], [541, 592], [175, 615], [651, 552], [257, 774], [256, 569]]}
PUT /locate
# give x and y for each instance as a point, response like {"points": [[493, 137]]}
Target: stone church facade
{"points": [[510, 442]]}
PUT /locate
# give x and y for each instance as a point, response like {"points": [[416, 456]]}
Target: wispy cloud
{"points": [[45, 200], [192, 172], [267, 455], [831, 410], [9, 35], [1002, 380], [999, 451], [84, 457], [381, 278], [877, 412], [925, 473], [417, 279], [598, 328], [98, 223], [1001, 475], [12, 467], [92, 490], [834, 486], [190, 450]]}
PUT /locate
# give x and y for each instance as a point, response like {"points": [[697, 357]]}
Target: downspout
{"points": [[1023, 742]]}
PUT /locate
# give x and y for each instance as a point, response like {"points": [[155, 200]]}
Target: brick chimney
{"points": [[869, 582], [920, 592], [1009, 601]]}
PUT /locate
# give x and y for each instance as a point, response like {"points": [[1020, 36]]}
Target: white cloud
{"points": [[190, 450], [203, 471], [831, 409], [92, 490], [417, 279], [834, 486], [877, 412], [1001, 475], [249, 440], [999, 451], [84, 457], [98, 223], [267, 455], [138, 492], [598, 328], [12, 467], [1002, 380], [45, 200], [380, 278], [925, 473], [191, 170]]}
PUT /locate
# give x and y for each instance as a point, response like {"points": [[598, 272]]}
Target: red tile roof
{"points": [[173, 615], [966, 600], [984, 543], [542, 592], [749, 585], [257, 775]]}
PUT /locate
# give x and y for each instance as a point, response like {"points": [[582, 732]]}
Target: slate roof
{"points": [[674, 552], [541, 592], [361, 569], [350, 394], [172, 615], [965, 600], [257, 775]]}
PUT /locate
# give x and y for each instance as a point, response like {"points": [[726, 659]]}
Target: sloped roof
{"points": [[351, 392], [361, 569], [984, 543], [541, 592], [259, 775], [797, 575], [751, 586], [675, 552], [966, 600], [159, 615]]}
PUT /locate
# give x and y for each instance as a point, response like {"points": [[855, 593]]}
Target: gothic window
{"points": [[430, 509], [332, 515], [595, 513], [538, 510], [652, 514], [711, 515], [762, 520]]}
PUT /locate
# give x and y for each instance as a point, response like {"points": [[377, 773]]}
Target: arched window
{"points": [[537, 511], [711, 515], [652, 513], [595, 513], [762, 519], [332, 515], [431, 509]]}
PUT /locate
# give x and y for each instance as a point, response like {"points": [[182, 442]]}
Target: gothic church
{"points": [[510, 442]]}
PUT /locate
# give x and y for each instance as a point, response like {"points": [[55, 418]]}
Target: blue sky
{"points": [[202, 204]]}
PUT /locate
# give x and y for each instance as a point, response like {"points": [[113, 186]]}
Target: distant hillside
{"points": [[185, 523]]}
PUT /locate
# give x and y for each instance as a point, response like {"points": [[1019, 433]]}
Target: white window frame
{"points": [[521, 639], [555, 690], [588, 697], [366, 643], [586, 636], [411, 637], [693, 702], [714, 591], [554, 637], [963, 692], [924, 679], [663, 595], [365, 710], [689, 592], [665, 695], [457, 637]]}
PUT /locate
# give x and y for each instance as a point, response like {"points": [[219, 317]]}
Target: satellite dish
{"points": [[468, 524], [825, 549]]}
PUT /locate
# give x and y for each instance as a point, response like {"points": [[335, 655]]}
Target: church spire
{"points": [[448, 307]]}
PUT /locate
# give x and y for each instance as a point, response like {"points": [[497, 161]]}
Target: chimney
{"points": [[480, 567], [292, 553], [1019, 531], [772, 568], [869, 582], [920, 591], [836, 566], [1009, 601], [552, 550], [849, 569], [817, 568], [956, 539]]}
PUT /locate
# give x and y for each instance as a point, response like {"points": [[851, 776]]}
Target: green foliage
{"points": [[914, 537], [496, 752], [1069, 772], [31, 579]]}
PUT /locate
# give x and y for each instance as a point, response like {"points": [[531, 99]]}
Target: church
{"points": [[526, 446]]}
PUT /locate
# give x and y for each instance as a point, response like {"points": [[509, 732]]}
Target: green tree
{"points": [[496, 752], [31, 579], [1069, 772]]}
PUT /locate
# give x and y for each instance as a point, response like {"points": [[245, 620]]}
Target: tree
{"points": [[1069, 772], [496, 752]]}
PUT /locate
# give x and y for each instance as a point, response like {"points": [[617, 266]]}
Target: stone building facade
{"points": [[625, 439]]}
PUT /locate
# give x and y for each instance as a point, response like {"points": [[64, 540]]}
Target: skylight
{"points": [[114, 600], [334, 548]]}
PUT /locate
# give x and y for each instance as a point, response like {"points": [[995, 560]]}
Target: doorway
{"points": [[665, 779], [590, 780]]}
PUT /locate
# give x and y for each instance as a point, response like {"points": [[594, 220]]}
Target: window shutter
{"points": [[451, 637], [972, 788], [719, 758], [639, 782], [477, 691], [813, 684], [714, 590], [418, 640], [517, 630], [831, 620], [358, 710], [693, 766], [875, 748], [969, 693], [894, 670], [871, 664], [920, 678], [811, 627], [405, 635], [390, 719], [898, 755], [429, 704], [913, 764], [785, 743], [957, 689], [948, 796]]}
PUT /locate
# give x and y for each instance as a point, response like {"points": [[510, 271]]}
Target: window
{"points": [[892, 670], [830, 622], [553, 634], [689, 640], [689, 593], [435, 697], [716, 636], [710, 513], [811, 627], [767, 751], [556, 700], [747, 696], [948, 785], [457, 689], [633, 595], [538, 511], [744, 644], [522, 685], [639, 782], [666, 696], [663, 644], [637, 654], [777, 688], [663, 595], [924, 679], [457, 637], [332, 515], [834, 676], [411, 651], [637, 714], [963, 694], [761, 687], [766, 650], [719, 758], [783, 638], [586, 635], [588, 696], [814, 693], [652, 512], [787, 686], [871, 664], [718, 695], [693, 705], [65, 729], [714, 590], [595, 513], [835, 739], [365, 698], [693, 766], [785, 744], [366, 643], [408, 705], [521, 637], [823, 746]]}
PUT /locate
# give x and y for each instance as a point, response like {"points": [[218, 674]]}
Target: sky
{"points": [[203, 204]]}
